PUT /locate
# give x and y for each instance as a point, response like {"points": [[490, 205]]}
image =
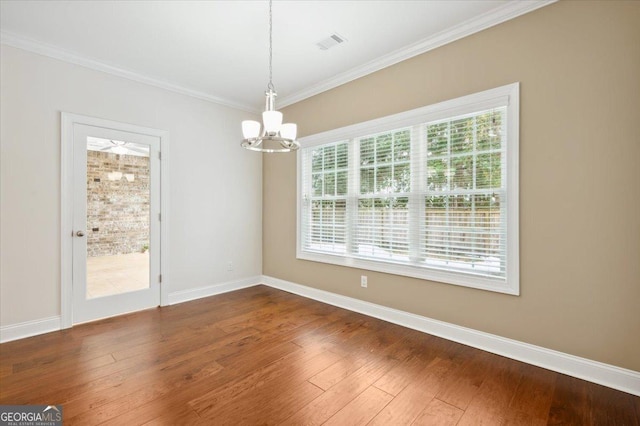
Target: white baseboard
{"points": [[45, 325], [582, 368], [212, 290], [29, 328]]}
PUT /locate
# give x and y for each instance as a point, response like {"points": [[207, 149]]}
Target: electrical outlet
{"points": [[229, 266], [363, 281]]}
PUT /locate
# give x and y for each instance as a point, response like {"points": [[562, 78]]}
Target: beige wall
{"points": [[215, 191], [579, 68]]}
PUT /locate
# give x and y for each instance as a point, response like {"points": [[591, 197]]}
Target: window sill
{"points": [[424, 273]]}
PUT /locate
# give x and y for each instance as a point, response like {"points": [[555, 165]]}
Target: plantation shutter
{"points": [[427, 197], [384, 172], [325, 197], [464, 219]]}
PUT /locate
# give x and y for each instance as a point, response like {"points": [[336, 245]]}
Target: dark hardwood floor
{"points": [[263, 356]]}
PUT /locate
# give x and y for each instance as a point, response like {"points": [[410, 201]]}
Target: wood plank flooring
{"points": [[264, 356]]}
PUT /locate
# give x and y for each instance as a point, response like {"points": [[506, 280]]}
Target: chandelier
{"points": [[275, 136]]}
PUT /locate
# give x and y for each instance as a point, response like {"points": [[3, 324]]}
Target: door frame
{"points": [[68, 121]]}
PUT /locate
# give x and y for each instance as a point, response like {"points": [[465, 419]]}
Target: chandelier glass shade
{"points": [[272, 135]]}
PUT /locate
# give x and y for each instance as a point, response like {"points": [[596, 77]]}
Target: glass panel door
{"points": [[116, 222], [118, 201]]}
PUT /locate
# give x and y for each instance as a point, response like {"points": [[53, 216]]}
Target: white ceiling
{"points": [[218, 50]]}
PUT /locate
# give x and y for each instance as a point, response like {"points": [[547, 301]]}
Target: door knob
{"points": [[80, 233]]}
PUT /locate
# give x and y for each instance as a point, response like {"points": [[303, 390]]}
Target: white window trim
{"points": [[508, 95]]}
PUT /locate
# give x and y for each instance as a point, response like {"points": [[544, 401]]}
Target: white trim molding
{"points": [[509, 10], [29, 328], [211, 290], [504, 279], [582, 368], [34, 46]]}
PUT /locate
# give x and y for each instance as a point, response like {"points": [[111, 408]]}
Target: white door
{"points": [[116, 222]]}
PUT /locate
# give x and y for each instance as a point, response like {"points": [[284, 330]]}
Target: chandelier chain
{"points": [[270, 86]]}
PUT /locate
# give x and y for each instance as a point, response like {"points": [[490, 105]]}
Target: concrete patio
{"points": [[122, 273]]}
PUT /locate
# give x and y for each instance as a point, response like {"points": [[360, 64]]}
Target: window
{"points": [[328, 198], [429, 193]]}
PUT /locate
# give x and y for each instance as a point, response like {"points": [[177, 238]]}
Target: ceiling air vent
{"points": [[333, 40]]}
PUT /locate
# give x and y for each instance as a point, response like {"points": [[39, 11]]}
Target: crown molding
{"points": [[30, 45], [497, 16], [508, 11]]}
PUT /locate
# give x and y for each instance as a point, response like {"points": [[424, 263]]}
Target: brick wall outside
{"points": [[118, 209]]}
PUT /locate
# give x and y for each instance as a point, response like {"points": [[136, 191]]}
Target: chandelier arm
{"points": [[255, 144]]}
